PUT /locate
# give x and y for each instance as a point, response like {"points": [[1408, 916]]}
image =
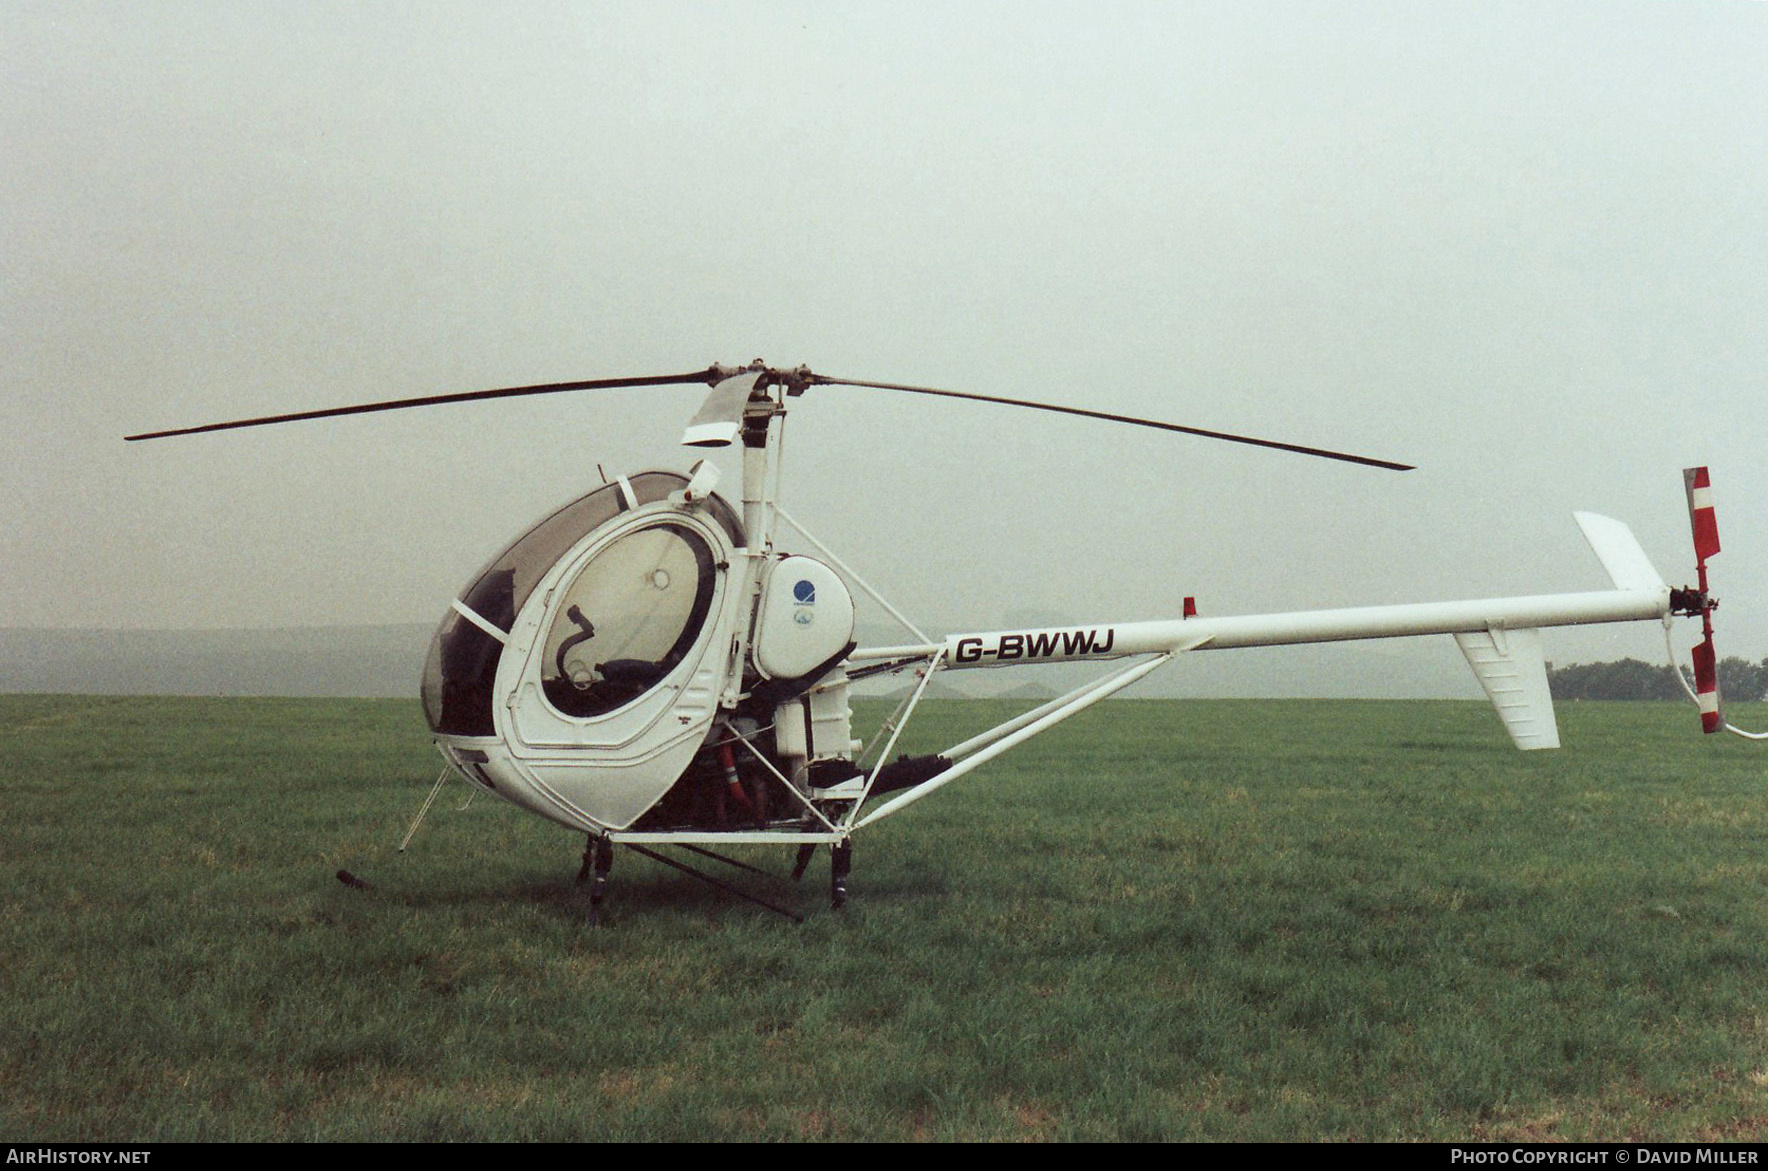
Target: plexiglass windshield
{"points": [[462, 664]]}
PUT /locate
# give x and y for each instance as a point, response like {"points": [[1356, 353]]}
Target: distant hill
{"points": [[305, 661]]}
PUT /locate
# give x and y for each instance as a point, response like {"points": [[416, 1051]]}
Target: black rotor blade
{"points": [[707, 376], [818, 379]]}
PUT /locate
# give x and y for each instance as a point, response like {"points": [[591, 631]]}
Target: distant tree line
{"points": [[1740, 681]]}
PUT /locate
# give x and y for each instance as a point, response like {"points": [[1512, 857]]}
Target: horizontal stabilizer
{"points": [[1512, 669], [1618, 550]]}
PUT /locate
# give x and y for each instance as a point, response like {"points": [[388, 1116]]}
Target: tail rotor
{"points": [[1698, 601]]}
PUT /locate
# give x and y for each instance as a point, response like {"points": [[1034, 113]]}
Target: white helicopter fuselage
{"points": [[733, 679]]}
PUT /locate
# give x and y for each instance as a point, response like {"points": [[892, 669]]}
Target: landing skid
{"points": [[598, 860]]}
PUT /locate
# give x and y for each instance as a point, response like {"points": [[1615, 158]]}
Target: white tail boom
{"points": [[1499, 636]]}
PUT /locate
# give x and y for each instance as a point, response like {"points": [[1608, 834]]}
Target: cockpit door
{"points": [[619, 637]]}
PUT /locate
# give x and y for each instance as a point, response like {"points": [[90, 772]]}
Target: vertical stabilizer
{"points": [[1512, 669], [1618, 550]]}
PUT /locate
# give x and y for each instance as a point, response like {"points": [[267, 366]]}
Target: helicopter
{"points": [[655, 666]]}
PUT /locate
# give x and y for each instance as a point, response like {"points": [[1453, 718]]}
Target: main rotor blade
{"points": [[709, 375], [821, 380]]}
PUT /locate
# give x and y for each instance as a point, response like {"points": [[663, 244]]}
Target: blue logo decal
{"points": [[804, 593]]}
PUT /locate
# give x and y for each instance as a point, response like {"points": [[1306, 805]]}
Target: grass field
{"points": [[1167, 920]]}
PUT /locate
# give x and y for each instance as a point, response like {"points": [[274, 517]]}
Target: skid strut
{"points": [[598, 857], [840, 862]]}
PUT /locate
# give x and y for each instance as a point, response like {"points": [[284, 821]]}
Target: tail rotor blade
{"points": [[1706, 684], [1700, 513]]}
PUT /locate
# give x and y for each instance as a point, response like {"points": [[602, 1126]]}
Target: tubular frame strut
{"points": [[1003, 739], [707, 878]]}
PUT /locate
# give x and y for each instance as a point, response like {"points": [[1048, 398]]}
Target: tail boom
{"points": [[1099, 641]]}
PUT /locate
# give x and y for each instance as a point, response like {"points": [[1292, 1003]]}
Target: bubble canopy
{"points": [[652, 587]]}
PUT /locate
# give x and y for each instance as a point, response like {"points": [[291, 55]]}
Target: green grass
{"points": [[1175, 920]]}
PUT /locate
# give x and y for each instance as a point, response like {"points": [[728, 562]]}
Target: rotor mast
{"points": [[741, 406], [760, 479]]}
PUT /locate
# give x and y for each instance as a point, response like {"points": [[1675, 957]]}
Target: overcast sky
{"points": [[1520, 245]]}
